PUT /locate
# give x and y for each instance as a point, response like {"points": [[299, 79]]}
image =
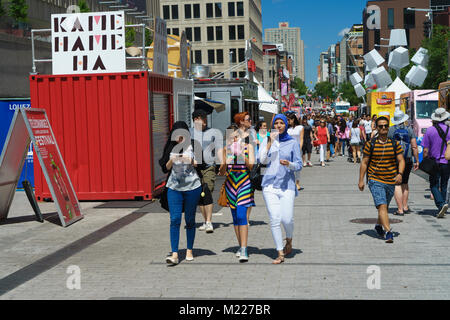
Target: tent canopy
{"points": [[399, 88], [270, 104]]}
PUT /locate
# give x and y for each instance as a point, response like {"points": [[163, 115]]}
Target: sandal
{"points": [[278, 260], [399, 213], [288, 247]]}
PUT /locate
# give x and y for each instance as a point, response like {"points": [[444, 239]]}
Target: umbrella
{"points": [[353, 109], [208, 105]]}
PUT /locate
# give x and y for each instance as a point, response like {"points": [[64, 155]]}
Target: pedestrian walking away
{"points": [[183, 187], [324, 138], [355, 141], [405, 136], [283, 158], [237, 160], [297, 133], [384, 164], [434, 146], [308, 137]]}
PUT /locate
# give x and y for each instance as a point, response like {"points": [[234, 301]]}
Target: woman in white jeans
{"points": [[323, 136], [283, 159]]}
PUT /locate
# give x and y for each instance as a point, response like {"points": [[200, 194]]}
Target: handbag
{"points": [[256, 177], [223, 202], [429, 166], [316, 143]]}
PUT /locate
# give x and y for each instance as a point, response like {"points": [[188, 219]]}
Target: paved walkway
{"points": [[120, 253]]}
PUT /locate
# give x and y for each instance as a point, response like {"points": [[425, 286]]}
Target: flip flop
{"points": [[399, 213]]}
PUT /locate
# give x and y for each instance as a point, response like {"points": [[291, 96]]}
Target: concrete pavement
{"points": [[120, 253]]}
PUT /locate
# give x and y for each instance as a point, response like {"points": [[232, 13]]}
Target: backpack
{"points": [[402, 136]]}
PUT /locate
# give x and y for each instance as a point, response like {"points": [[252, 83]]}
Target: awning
{"points": [[259, 101], [208, 105]]}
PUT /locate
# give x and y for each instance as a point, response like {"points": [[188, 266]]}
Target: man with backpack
{"points": [[434, 146], [405, 136], [384, 163]]}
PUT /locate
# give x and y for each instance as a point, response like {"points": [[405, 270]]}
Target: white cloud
{"points": [[343, 32]]}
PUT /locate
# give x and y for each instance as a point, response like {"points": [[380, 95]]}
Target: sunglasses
{"points": [[383, 126]]}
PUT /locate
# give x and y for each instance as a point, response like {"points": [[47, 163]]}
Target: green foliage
{"points": [[437, 50], [130, 35], [324, 90], [148, 37], [18, 10], [299, 85], [349, 94], [82, 4], [2, 9]]}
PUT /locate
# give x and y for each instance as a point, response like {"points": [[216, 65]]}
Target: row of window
{"points": [[409, 18], [216, 56], [213, 33], [213, 10]]}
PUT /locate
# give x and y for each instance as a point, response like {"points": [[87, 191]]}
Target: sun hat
{"points": [[399, 117], [440, 115]]}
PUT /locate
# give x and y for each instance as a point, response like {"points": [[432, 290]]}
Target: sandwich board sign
{"points": [[32, 125]]}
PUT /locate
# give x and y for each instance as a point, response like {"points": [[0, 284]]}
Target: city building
{"points": [[219, 32], [272, 65], [290, 37], [351, 53], [323, 65], [332, 65], [394, 15]]}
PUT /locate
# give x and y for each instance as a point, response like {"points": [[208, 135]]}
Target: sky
{"points": [[321, 22]]}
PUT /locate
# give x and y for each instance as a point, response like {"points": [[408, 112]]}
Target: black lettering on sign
{"points": [[56, 44], [66, 44], [61, 21], [104, 42], [77, 26], [78, 45], [99, 64], [90, 23], [113, 20], [85, 62], [113, 42], [103, 22], [75, 63], [91, 43], [55, 25]]}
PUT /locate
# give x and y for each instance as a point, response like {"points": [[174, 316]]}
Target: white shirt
{"points": [[367, 126], [295, 133]]}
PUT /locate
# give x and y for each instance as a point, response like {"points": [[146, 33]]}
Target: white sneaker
{"points": [[202, 227], [238, 253], [443, 211], [209, 227]]}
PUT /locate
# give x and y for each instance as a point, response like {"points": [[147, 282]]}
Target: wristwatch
{"points": [[401, 173]]}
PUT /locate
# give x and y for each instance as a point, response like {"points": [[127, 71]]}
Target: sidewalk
{"points": [[121, 252]]}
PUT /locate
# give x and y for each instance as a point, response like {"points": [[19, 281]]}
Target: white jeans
{"points": [[323, 150], [280, 205]]}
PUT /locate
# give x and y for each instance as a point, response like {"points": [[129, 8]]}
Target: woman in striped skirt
{"points": [[238, 159]]}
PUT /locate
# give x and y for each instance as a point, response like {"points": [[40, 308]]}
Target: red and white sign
{"points": [[384, 102], [53, 165]]}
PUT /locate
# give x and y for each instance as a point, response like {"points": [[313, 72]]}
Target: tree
{"points": [[299, 85], [130, 35], [82, 4], [324, 90], [18, 10], [437, 51], [349, 94], [148, 37], [2, 9]]}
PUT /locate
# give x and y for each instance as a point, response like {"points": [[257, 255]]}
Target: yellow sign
{"points": [[174, 58], [381, 102]]}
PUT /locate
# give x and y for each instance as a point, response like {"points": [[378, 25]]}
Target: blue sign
{"points": [[7, 109]]}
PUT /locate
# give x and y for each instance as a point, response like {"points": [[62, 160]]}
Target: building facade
{"points": [[290, 37], [218, 32], [272, 66], [351, 53], [323, 64]]}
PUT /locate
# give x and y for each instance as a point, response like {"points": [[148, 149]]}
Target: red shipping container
{"points": [[104, 128]]}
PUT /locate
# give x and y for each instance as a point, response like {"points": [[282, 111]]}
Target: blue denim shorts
{"points": [[382, 193]]}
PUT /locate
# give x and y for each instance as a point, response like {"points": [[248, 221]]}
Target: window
{"points": [[234, 102], [240, 8], [210, 33], [219, 35], [390, 18], [211, 59], [189, 34], [242, 74], [218, 9], [377, 36], [197, 34], [209, 10], [234, 75], [219, 57], [198, 56], [241, 54], [409, 19], [187, 11], [166, 12], [168, 31], [196, 7], [232, 32], [176, 31], [241, 33], [175, 12], [231, 11], [233, 55]]}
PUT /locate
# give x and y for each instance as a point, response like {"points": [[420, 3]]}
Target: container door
{"points": [[221, 120], [184, 109], [160, 132]]}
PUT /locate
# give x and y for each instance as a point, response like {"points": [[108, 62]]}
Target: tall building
{"points": [[351, 52], [394, 15], [332, 65], [272, 65], [323, 64], [218, 32], [290, 37]]}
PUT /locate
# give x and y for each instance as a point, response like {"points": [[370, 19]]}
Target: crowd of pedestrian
{"points": [[386, 149]]}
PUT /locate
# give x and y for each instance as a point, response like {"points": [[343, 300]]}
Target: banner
{"points": [[92, 42]]}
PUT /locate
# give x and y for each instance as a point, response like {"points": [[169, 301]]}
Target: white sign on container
{"points": [[160, 55], [92, 42]]}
